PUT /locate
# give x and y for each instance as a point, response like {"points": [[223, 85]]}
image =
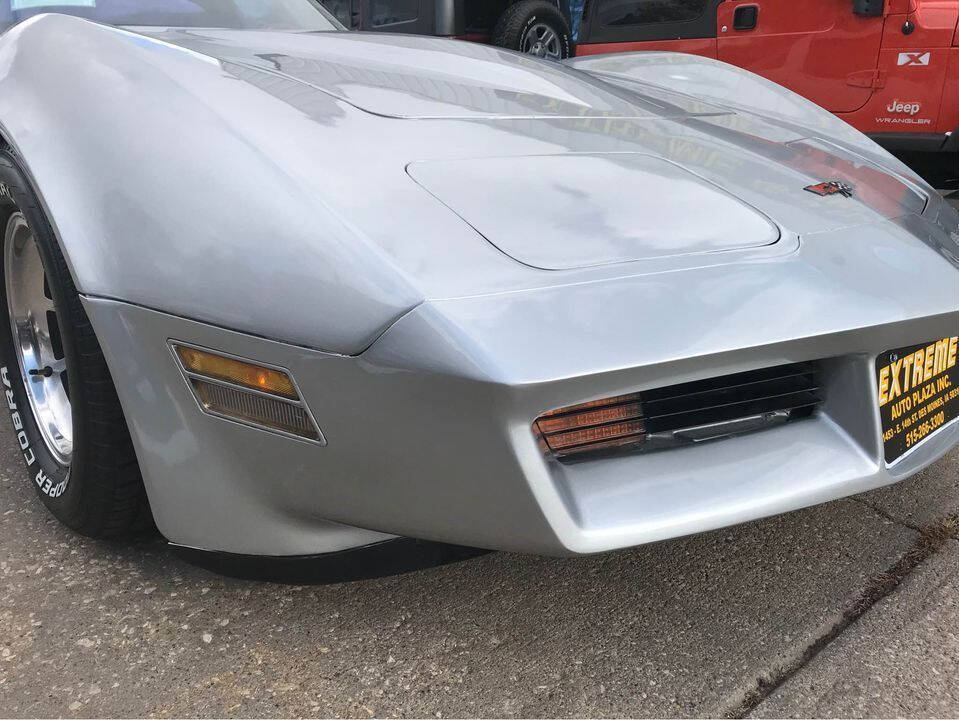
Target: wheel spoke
{"points": [[542, 41], [36, 336]]}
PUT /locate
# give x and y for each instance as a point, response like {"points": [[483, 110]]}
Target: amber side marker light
{"points": [[235, 371], [246, 392], [597, 425]]}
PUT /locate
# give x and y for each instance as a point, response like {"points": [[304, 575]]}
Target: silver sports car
{"points": [[358, 302]]}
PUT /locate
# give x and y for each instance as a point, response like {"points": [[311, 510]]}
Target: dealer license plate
{"points": [[918, 393]]}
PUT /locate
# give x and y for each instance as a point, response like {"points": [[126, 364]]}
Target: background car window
{"points": [[302, 15], [642, 12], [393, 11], [341, 10]]}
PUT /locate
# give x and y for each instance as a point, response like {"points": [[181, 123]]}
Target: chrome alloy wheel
{"points": [[540, 40], [36, 338]]}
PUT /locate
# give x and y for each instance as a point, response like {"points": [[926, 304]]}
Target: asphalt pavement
{"points": [[845, 609], [762, 618]]}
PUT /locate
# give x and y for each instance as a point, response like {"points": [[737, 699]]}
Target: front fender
{"points": [[174, 185]]}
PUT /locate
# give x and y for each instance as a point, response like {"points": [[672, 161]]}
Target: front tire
{"points": [[65, 412], [534, 27]]}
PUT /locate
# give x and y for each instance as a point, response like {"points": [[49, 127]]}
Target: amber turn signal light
{"points": [[246, 392], [236, 371], [591, 426]]}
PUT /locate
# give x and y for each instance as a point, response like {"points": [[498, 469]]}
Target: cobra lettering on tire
{"points": [[43, 482]]}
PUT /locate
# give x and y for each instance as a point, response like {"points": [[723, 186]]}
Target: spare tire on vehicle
{"points": [[535, 27]]}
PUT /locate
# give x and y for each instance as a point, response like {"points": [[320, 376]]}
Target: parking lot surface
{"points": [[722, 623], [900, 660]]}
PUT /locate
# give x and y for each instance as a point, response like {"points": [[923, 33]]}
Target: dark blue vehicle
{"points": [[545, 28]]}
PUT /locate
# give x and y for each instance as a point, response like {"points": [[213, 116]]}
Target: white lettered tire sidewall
{"points": [[51, 481], [50, 478]]}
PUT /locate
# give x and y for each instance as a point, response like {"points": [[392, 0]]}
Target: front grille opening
{"points": [[684, 413]]}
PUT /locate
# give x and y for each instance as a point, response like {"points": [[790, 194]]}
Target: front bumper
{"points": [[429, 431]]}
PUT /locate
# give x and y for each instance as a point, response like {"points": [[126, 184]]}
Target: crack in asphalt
{"points": [[884, 514], [929, 541]]}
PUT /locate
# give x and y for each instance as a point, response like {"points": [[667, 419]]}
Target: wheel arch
{"points": [[75, 441], [9, 146], [563, 7]]}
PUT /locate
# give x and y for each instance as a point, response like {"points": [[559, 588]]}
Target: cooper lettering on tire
{"points": [[63, 408]]}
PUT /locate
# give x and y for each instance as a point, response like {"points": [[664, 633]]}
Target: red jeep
{"points": [[888, 67]]}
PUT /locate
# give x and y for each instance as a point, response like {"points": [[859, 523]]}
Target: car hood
{"points": [[558, 212], [579, 210], [620, 188], [415, 77]]}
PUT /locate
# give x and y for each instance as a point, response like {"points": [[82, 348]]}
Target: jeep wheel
{"points": [[534, 27]]}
